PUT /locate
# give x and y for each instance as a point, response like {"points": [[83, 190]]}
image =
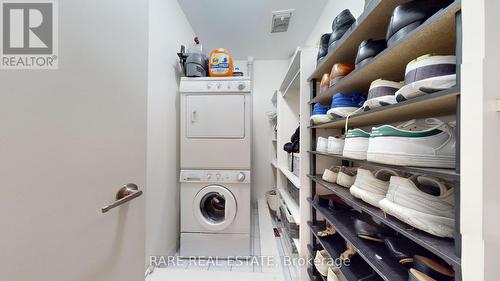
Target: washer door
{"points": [[215, 207]]}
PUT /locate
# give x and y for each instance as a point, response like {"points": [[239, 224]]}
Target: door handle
{"points": [[128, 192], [193, 117]]}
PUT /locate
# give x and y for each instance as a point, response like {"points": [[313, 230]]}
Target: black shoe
{"points": [[340, 25], [323, 46], [407, 17], [367, 229], [367, 50], [431, 268], [402, 249]]}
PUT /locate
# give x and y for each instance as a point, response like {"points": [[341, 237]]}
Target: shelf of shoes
{"points": [[372, 23], [334, 246], [442, 247], [449, 174], [391, 63], [432, 105], [374, 253]]}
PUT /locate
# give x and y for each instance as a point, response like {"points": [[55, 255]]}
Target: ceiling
{"points": [[244, 26]]}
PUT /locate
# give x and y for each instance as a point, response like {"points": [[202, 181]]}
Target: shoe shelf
{"points": [[437, 35], [291, 80], [334, 246], [374, 253], [290, 176], [433, 105], [291, 205], [449, 174], [372, 23], [442, 247]]}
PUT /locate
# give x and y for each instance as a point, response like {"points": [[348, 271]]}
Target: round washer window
{"points": [[213, 207]]}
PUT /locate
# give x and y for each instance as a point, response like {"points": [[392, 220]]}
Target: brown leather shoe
{"points": [[325, 81], [339, 71], [415, 275]]}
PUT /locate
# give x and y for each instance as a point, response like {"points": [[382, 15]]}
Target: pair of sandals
{"points": [[421, 268]]}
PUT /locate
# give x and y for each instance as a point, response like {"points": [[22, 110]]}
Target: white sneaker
{"points": [[346, 176], [332, 274], [423, 202], [356, 144], [330, 174], [336, 145], [411, 144], [381, 93], [322, 145], [322, 262], [428, 74], [372, 187]]}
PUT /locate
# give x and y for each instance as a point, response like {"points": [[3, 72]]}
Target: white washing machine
{"points": [[215, 123], [215, 213]]}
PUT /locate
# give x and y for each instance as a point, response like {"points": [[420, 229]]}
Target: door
{"points": [[215, 207], [69, 140], [215, 116]]}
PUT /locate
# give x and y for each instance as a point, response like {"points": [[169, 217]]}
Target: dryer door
{"points": [[213, 116], [215, 207]]}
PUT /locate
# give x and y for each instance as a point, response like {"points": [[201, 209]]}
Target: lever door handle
{"points": [[128, 192]]}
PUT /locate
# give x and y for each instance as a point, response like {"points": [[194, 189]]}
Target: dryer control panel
{"points": [[215, 176]]}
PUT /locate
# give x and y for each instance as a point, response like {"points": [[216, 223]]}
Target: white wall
{"points": [[331, 10], [169, 29], [268, 75]]}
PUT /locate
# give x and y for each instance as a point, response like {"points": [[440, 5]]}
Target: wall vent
{"points": [[281, 21]]}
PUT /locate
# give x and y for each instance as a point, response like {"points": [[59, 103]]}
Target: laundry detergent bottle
{"points": [[220, 63]]}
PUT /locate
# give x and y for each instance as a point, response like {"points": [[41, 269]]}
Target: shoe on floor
{"points": [[339, 71], [356, 144], [436, 270], [381, 93], [372, 186], [336, 144], [346, 176], [343, 105], [330, 174], [322, 145], [426, 75], [413, 144], [423, 202], [322, 262], [319, 115]]}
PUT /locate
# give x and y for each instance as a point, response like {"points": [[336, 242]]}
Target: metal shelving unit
{"points": [[389, 64]]}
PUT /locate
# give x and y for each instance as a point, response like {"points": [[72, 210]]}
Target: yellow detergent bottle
{"points": [[220, 63]]}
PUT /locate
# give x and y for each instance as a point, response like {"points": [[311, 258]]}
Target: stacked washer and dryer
{"points": [[215, 167]]}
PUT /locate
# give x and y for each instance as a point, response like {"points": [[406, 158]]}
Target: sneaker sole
{"points": [[411, 160], [358, 155], [435, 225], [365, 196]]}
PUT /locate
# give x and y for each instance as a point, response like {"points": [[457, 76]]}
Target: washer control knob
{"points": [[209, 176], [219, 85], [241, 176], [241, 86], [217, 176], [209, 86]]}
